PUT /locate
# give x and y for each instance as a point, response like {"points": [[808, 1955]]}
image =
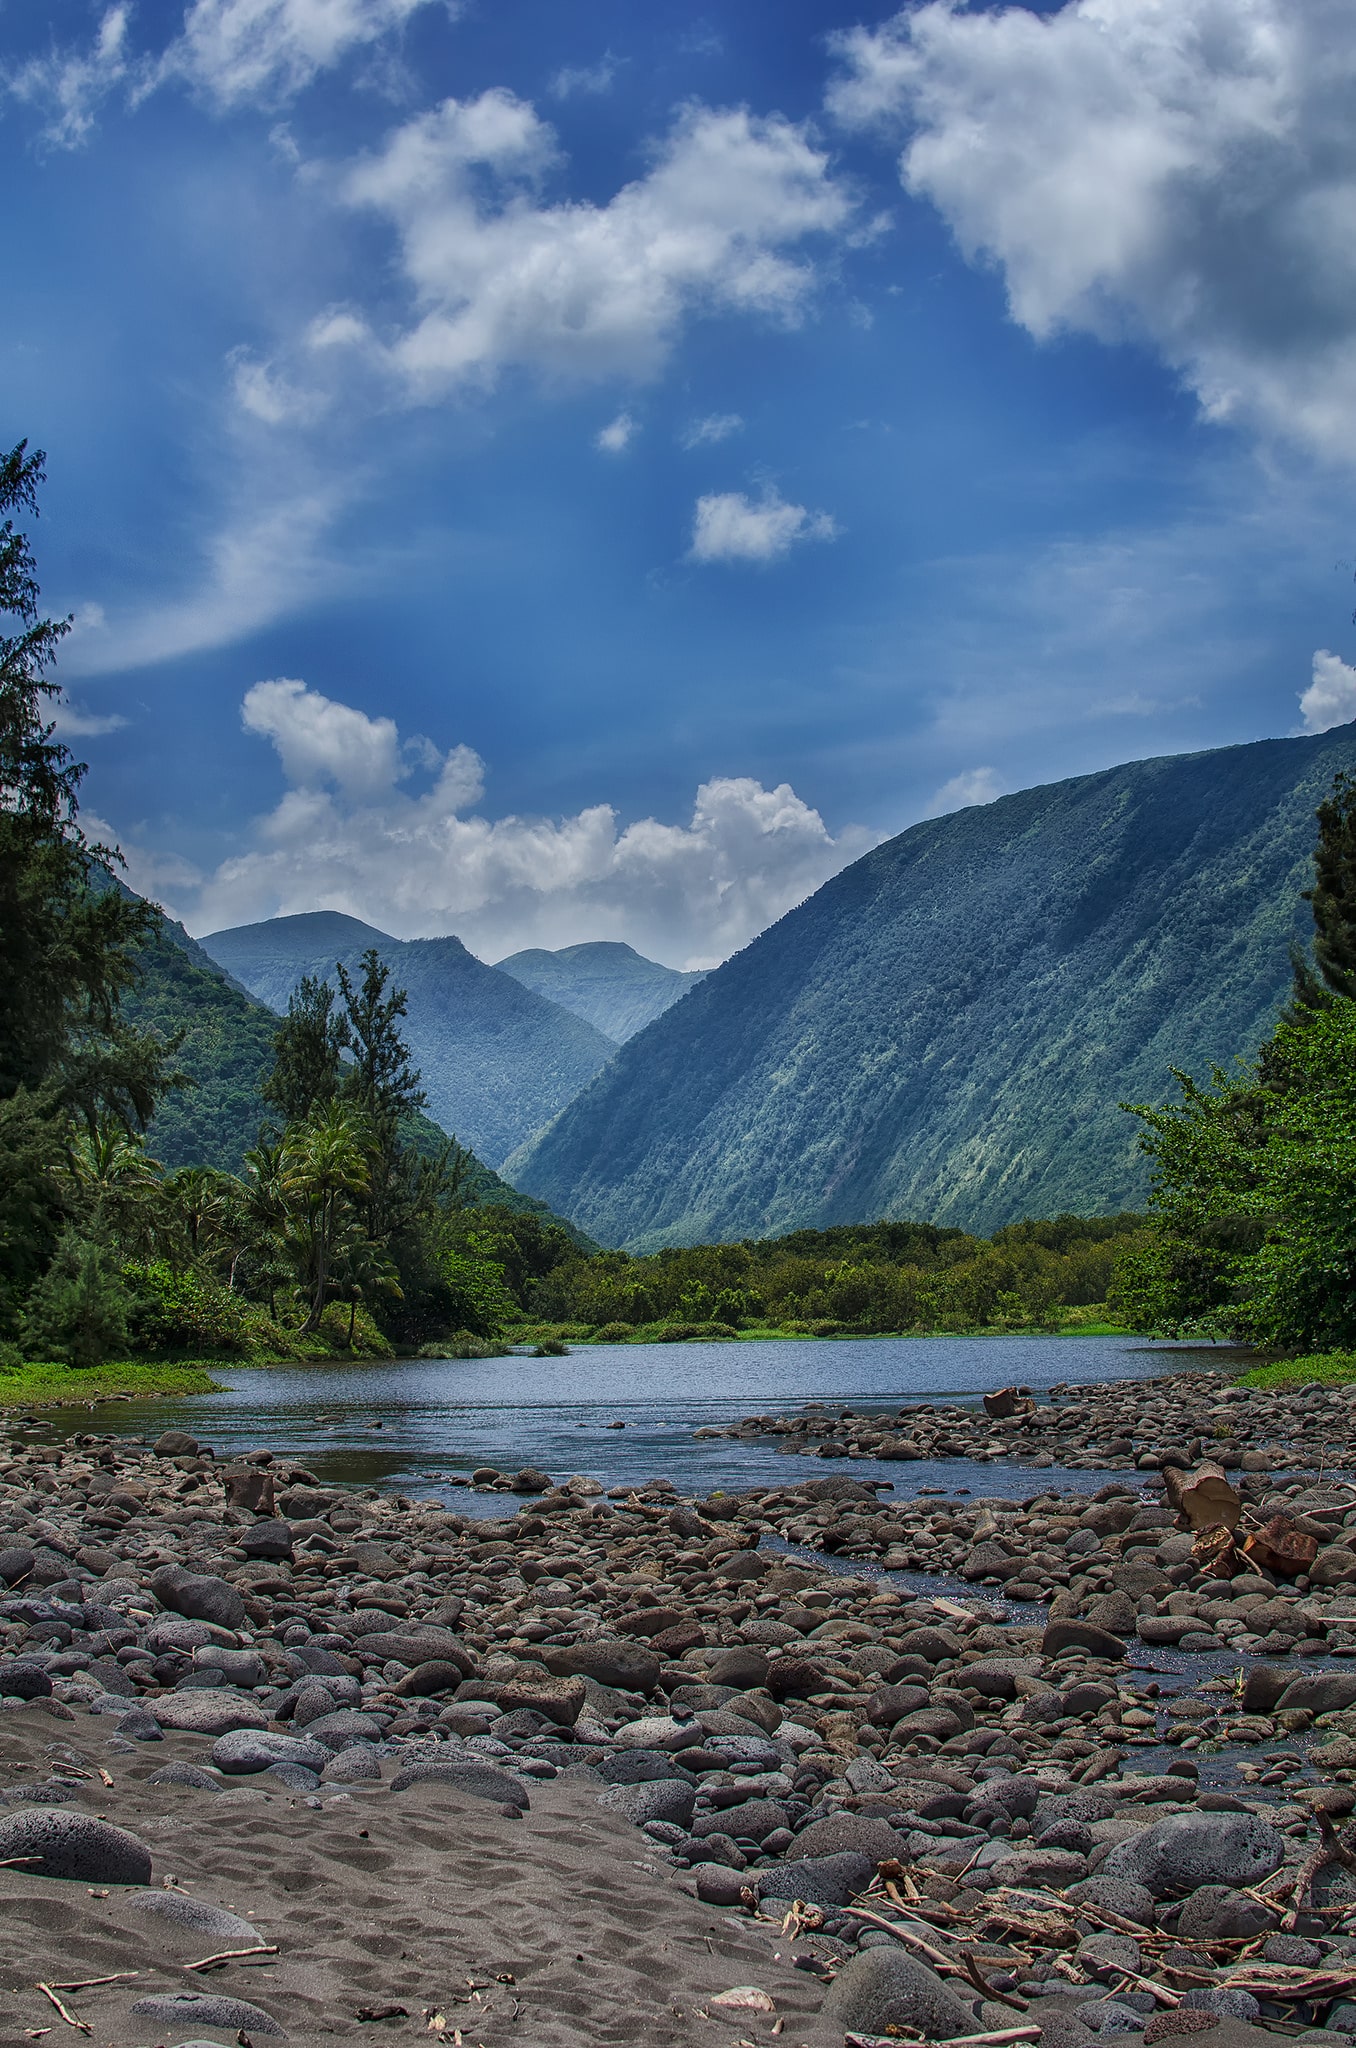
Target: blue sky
{"points": [[554, 473]]}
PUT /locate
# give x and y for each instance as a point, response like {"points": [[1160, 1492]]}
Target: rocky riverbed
{"points": [[1115, 1427], [800, 1763]]}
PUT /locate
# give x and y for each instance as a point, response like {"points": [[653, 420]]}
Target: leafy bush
{"points": [[465, 1344], [615, 1333], [182, 1311], [551, 1347]]}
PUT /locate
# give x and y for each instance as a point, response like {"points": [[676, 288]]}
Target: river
{"points": [[410, 1426]]}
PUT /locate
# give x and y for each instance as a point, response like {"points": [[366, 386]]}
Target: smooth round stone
{"points": [[345, 1726], [210, 1710], [249, 1749], [295, 1777], [479, 1780], [214, 1923], [208, 2009], [73, 1845], [352, 1766], [192, 1776]]}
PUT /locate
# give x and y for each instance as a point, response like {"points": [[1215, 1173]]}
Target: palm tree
{"points": [[326, 1165], [118, 1186], [361, 1271]]}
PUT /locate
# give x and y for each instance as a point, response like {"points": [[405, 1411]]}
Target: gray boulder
{"points": [[212, 1923], [610, 1662], [819, 1880], [887, 1987], [1191, 1849], [345, 1726], [1224, 2000], [1215, 1912], [208, 2009], [21, 1681], [1122, 1896], [200, 1597], [55, 1843], [478, 1780], [864, 1834], [352, 1766], [246, 1750], [214, 1710], [1321, 1692], [656, 1799]]}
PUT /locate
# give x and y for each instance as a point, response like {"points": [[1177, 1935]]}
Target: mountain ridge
{"points": [[608, 983], [944, 1029]]}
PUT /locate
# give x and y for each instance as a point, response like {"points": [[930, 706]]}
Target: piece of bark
{"points": [[1280, 1548], [1203, 1496]]}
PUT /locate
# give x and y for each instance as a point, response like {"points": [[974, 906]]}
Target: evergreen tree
{"points": [[1332, 971], [381, 1081], [65, 949], [308, 1048]]}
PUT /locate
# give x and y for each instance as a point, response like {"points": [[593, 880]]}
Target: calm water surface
{"points": [[411, 1425]]}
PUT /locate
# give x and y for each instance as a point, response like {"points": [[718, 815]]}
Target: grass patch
{"points": [[1320, 1368], [50, 1384]]}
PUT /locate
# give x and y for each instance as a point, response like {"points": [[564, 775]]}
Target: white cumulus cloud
{"points": [[1331, 697], [1180, 172], [727, 526], [348, 835], [617, 436], [971, 786], [502, 277]]}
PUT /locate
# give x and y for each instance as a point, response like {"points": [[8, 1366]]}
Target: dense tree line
{"points": [[1254, 1193], [856, 1277]]}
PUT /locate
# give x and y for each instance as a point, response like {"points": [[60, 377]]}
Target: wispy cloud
{"points": [[971, 786], [716, 426], [263, 564], [69, 85], [590, 79]]}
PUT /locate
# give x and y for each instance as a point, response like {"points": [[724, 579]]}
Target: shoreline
{"points": [[50, 1384]]}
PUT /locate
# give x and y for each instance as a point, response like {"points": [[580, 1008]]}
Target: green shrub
{"points": [[465, 1344], [615, 1333], [551, 1347], [79, 1311]]}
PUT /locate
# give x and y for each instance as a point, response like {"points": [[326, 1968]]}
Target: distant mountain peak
{"points": [[318, 929], [605, 981]]}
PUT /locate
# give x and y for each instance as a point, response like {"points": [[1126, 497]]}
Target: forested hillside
{"points": [[944, 1030], [615, 988], [498, 1061]]}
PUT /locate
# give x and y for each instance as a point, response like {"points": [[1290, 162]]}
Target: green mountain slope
{"points": [[613, 987], [498, 1061], [944, 1030], [227, 1045]]}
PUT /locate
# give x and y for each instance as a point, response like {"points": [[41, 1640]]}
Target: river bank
{"points": [[1022, 1761]]}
